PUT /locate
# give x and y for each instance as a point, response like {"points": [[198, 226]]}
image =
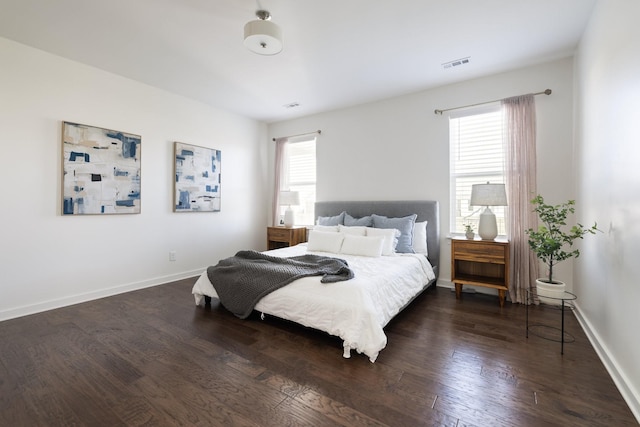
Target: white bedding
{"points": [[356, 310]]}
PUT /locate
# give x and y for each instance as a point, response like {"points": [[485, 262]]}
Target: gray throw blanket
{"points": [[242, 280]]}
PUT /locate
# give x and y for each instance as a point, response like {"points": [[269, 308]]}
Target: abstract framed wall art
{"points": [[101, 170], [197, 178]]}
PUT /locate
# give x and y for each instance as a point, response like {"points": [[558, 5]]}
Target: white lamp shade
{"points": [[488, 195], [288, 198], [263, 37]]}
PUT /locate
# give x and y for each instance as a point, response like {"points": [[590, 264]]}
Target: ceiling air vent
{"points": [[456, 62]]}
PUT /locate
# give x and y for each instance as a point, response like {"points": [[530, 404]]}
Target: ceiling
{"points": [[337, 53]]}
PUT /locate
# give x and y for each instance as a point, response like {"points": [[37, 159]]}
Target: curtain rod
{"points": [[546, 92], [300, 134]]}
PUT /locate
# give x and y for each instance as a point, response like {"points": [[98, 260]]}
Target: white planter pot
{"points": [[547, 291]]}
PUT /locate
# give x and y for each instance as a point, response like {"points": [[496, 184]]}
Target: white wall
{"points": [[608, 134], [399, 149], [48, 260]]}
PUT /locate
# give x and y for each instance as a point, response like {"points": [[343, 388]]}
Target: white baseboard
{"points": [[444, 284], [39, 307], [626, 388], [467, 289]]}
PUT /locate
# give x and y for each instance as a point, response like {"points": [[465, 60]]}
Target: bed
{"points": [[355, 310]]}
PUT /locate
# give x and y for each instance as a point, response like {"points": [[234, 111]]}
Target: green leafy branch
{"points": [[550, 242]]}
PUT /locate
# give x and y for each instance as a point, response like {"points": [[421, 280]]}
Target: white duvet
{"points": [[355, 310]]}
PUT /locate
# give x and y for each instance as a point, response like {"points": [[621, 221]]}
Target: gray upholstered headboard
{"points": [[427, 210]]}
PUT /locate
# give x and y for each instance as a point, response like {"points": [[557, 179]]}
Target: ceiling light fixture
{"points": [[262, 36]]}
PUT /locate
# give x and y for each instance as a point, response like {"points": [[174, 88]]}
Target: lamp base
{"points": [[487, 227], [288, 217]]}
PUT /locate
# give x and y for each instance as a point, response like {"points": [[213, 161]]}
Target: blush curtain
{"points": [[281, 175], [520, 170]]}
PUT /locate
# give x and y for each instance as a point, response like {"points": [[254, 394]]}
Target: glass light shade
{"points": [[263, 37]]}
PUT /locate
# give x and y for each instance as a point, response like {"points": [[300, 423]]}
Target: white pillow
{"points": [[362, 245], [420, 238], [390, 238], [323, 241], [326, 228], [354, 230]]}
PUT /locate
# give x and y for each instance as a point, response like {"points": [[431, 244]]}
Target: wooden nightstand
{"points": [[480, 263], [281, 237]]}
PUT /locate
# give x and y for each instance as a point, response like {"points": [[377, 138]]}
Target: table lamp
{"points": [[488, 195], [289, 198]]}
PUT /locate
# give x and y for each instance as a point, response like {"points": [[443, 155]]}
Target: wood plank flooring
{"points": [[151, 357]]}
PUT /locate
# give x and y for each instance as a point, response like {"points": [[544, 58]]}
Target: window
{"points": [[300, 175], [476, 157]]}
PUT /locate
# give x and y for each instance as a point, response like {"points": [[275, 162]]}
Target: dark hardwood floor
{"points": [[151, 357]]}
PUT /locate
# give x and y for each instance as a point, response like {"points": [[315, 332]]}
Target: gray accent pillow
{"points": [[365, 221], [332, 220], [404, 224]]}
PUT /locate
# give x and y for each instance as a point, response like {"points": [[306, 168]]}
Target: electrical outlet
{"points": [[172, 255]]}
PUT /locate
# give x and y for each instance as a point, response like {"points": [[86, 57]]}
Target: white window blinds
{"points": [[476, 157], [301, 171]]}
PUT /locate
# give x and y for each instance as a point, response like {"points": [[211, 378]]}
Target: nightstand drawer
{"points": [[279, 234], [280, 237], [479, 251]]}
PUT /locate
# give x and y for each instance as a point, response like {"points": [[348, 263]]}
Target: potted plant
{"points": [[553, 241], [468, 231]]}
